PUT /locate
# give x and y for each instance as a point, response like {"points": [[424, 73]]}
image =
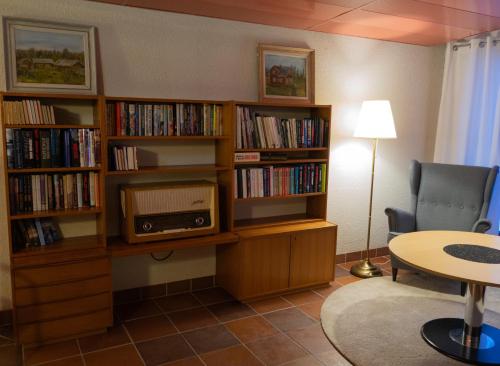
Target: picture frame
{"points": [[286, 74], [49, 57]]}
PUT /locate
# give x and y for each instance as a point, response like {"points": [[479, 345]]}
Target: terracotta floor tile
{"points": [[267, 305], [164, 349], [305, 361], [348, 280], [276, 350], [191, 361], [333, 358], [72, 361], [311, 338], [10, 355], [177, 302], [380, 260], [326, 291], [233, 310], [192, 319], [115, 336], [288, 319], [302, 297], [347, 265], [136, 310], [313, 309], [118, 356], [213, 296], [210, 339], [147, 328], [34, 355], [341, 271], [251, 329], [234, 356]]}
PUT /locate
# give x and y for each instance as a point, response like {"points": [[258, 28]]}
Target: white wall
{"points": [[158, 54]]}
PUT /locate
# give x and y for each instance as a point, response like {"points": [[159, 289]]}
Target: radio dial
{"points": [[147, 226], [199, 221]]}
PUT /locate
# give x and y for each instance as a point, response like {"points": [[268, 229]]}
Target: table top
{"points": [[425, 251]]}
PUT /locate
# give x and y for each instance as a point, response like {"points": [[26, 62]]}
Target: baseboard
{"points": [[354, 256]]}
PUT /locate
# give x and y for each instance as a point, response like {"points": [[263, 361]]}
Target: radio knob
{"points": [[199, 221], [147, 226]]}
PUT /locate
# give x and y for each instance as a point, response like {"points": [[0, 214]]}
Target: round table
{"points": [[469, 257]]}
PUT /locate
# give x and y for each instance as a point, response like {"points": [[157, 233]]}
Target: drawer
{"points": [[64, 328], [63, 309], [60, 273], [66, 291]]}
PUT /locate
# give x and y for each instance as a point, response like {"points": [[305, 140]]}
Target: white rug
{"points": [[377, 322]]}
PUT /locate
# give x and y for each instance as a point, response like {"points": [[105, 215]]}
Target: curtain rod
{"points": [[468, 44]]}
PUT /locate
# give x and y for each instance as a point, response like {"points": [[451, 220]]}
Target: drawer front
{"points": [[60, 273], [64, 328], [66, 291], [62, 309]]}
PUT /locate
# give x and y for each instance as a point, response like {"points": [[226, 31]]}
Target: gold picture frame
{"points": [[286, 74]]}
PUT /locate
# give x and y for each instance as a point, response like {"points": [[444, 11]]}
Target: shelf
{"points": [[57, 125], [117, 247], [277, 162], [52, 170], [280, 104], [67, 249], [278, 229], [166, 138], [170, 169], [281, 197], [54, 213], [274, 220], [284, 149], [49, 96]]}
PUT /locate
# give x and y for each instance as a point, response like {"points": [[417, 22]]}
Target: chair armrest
{"points": [[481, 226], [400, 221]]}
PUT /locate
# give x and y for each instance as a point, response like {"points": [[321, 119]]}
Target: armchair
{"points": [[443, 197]]}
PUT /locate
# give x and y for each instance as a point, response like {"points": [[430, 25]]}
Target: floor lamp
{"points": [[375, 122]]}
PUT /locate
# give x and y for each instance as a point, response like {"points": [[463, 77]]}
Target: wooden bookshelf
{"points": [[54, 126], [196, 168], [166, 138], [55, 213], [281, 162], [289, 196], [53, 170]]}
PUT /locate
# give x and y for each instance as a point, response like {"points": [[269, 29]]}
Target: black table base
{"points": [[445, 335]]}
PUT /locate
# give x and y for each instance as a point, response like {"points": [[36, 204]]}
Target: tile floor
{"points": [[203, 328]]}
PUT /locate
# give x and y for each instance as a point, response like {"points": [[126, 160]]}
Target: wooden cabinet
{"points": [[277, 259], [312, 257], [61, 300]]}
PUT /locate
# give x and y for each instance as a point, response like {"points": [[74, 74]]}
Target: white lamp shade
{"points": [[375, 120]]}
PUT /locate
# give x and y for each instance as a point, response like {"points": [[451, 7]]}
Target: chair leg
{"points": [[394, 273], [463, 288]]}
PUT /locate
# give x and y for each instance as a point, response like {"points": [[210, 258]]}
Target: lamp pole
{"points": [[365, 268]]}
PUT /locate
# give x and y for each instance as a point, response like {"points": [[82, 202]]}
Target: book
{"points": [[34, 233], [269, 181], [123, 158], [28, 112], [247, 156]]}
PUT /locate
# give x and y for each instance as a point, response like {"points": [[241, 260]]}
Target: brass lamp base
{"points": [[365, 269]]}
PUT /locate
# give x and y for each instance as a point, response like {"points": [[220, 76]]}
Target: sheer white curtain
{"points": [[468, 129]]}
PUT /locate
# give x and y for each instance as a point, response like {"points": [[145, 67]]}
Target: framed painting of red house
{"points": [[286, 74], [49, 57]]}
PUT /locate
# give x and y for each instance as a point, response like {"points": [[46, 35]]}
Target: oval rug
{"points": [[377, 321]]}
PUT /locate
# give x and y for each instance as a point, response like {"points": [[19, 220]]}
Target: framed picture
{"points": [[286, 74], [49, 57]]}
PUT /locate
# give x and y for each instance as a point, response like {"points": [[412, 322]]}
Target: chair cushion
{"points": [[450, 196]]}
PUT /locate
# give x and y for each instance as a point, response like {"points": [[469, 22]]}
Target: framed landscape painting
{"points": [[49, 57], [286, 74]]}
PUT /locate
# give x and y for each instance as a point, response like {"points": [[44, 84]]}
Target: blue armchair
{"points": [[443, 197]]}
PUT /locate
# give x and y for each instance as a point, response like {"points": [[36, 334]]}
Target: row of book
{"points": [[181, 119], [35, 233], [271, 181], [53, 148], [124, 158], [41, 192], [254, 131], [28, 112]]}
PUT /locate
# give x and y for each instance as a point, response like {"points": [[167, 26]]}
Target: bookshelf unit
{"points": [[285, 242]]}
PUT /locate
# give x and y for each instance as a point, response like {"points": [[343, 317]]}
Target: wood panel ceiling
{"points": [[422, 22]]}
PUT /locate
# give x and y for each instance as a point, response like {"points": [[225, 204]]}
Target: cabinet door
{"points": [[266, 265], [312, 257]]}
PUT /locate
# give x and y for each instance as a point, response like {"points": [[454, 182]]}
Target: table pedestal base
{"points": [[446, 336]]}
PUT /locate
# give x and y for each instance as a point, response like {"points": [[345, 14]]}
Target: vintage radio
{"points": [[160, 211]]}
